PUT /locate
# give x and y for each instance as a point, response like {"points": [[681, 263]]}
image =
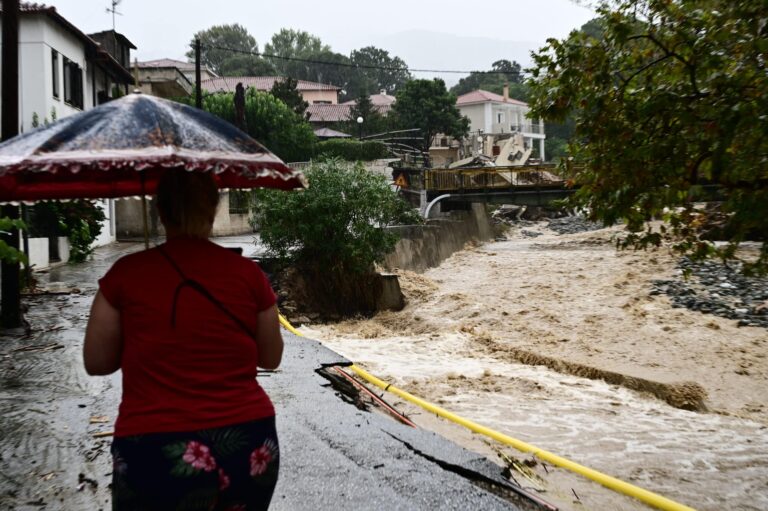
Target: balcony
{"points": [[537, 129]]}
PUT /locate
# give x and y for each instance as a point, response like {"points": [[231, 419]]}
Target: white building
{"points": [[63, 71], [492, 114]]}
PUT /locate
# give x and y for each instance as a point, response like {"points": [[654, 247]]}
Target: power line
{"points": [[359, 66]]}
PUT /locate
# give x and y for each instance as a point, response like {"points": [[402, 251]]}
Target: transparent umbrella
{"points": [[121, 148]]}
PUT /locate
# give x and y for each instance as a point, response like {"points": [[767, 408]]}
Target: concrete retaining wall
{"points": [[130, 222], [425, 246]]}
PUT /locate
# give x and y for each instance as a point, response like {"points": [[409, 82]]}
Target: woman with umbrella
{"points": [[188, 322]]}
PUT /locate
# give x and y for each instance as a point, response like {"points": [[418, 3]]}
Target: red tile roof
{"points": [[482, 96], [265, 83], [328, 113], [376, 100]]}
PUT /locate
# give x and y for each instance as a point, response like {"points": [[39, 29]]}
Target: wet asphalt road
{"points": [[334, 455]]}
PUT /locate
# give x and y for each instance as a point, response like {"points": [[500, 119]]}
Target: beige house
{"points": [[490, 114], [167, 78], [312, 92]]}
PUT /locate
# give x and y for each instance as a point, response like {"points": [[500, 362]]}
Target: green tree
{"points": [[246, 65], [290, 44], [502, 72], [375, 71], [268, 120], [329, 67], [214, 39], [427, 104], [672, 97], [285, 90], [373, 121]]}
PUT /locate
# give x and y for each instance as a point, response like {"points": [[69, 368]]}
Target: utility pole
{"points": [[10, 308], [198, 86]]}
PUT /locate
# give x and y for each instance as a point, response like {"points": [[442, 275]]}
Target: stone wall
{"points": [[425, 246]]}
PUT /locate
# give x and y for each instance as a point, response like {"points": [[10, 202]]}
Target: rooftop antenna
{"points": [[113, 10]]}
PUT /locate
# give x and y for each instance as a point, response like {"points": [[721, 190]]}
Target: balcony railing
{"points": [[528, 128]]}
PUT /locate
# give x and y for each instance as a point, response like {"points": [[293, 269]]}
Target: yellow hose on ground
{"points": [[617, 485]]}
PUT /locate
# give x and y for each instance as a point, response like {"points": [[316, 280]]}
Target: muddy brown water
{"points": [[504, 335]]}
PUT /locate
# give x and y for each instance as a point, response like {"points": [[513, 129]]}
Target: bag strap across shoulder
{"points": [[193, 284]]}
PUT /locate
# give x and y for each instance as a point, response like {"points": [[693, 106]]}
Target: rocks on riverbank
{"points": [[715, 288]]}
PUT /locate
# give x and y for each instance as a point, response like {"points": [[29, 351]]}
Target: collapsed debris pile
{"points": [[715, 288], [559, 220]]}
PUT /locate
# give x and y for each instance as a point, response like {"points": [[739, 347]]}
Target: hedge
{"points": [[351, 150]]}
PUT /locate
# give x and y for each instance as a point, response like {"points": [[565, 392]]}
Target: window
{"points": [[321, 102], [73, 83], [499, 117], [55, 72], [238, 202]]}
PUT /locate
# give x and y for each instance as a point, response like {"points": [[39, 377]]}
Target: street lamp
{"points": [[360, 125]]}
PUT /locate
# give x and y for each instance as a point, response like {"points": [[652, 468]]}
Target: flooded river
{"points": [[484, 332]]}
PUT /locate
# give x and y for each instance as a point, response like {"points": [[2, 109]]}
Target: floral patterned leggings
{"points": [[233, 468]]}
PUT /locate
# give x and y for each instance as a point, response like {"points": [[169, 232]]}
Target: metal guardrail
{"points": [[490, 178]]}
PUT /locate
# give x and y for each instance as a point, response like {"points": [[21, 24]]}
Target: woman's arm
{"points": [[269, 340], [103, 345]]}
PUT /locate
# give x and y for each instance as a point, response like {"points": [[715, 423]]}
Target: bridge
{"points": [[531, 185]]}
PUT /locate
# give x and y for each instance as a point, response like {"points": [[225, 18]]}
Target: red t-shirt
{"points": [[202, 372]]}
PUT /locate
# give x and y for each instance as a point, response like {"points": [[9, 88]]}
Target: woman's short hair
{"points": [[187, 202]]}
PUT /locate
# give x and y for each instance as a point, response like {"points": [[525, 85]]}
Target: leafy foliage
{"points": [[671, 98], [337, 224], [285, 90], [373, 121], [289, 43], [268, 120], [80, 221], [351, 150], [427, 104], [390, 73], [501, 72], [9, 254], [223, 61], [246, 65]]}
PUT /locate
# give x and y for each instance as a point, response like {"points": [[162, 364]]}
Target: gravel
{"points": [[715, 288]]}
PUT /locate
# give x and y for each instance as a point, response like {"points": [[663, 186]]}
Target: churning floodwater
{"points": [[582, 303]]}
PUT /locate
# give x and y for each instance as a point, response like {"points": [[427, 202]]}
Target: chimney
{"points": [[383, 92], [506, 92]]}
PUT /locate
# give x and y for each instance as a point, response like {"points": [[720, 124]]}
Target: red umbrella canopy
{"points": [[122, 147]]}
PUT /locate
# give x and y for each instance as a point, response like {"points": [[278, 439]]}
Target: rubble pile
{"points": [[573, 224], [715, 288], [559, 220]]}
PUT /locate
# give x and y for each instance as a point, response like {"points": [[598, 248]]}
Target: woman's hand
{"points": [[103, 345]]}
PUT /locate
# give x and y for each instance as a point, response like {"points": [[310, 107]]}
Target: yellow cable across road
{"points": [[617, 485]]}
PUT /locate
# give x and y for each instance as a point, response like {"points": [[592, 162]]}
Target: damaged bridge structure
{"points": [[529, 185]]}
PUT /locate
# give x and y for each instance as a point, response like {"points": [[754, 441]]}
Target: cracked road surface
{"points": [[333, 454]]}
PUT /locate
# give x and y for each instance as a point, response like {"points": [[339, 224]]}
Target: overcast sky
{"points": [[442, 34]]}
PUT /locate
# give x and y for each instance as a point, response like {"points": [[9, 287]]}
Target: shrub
{"points": [[351, 150], [333, 232]]}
